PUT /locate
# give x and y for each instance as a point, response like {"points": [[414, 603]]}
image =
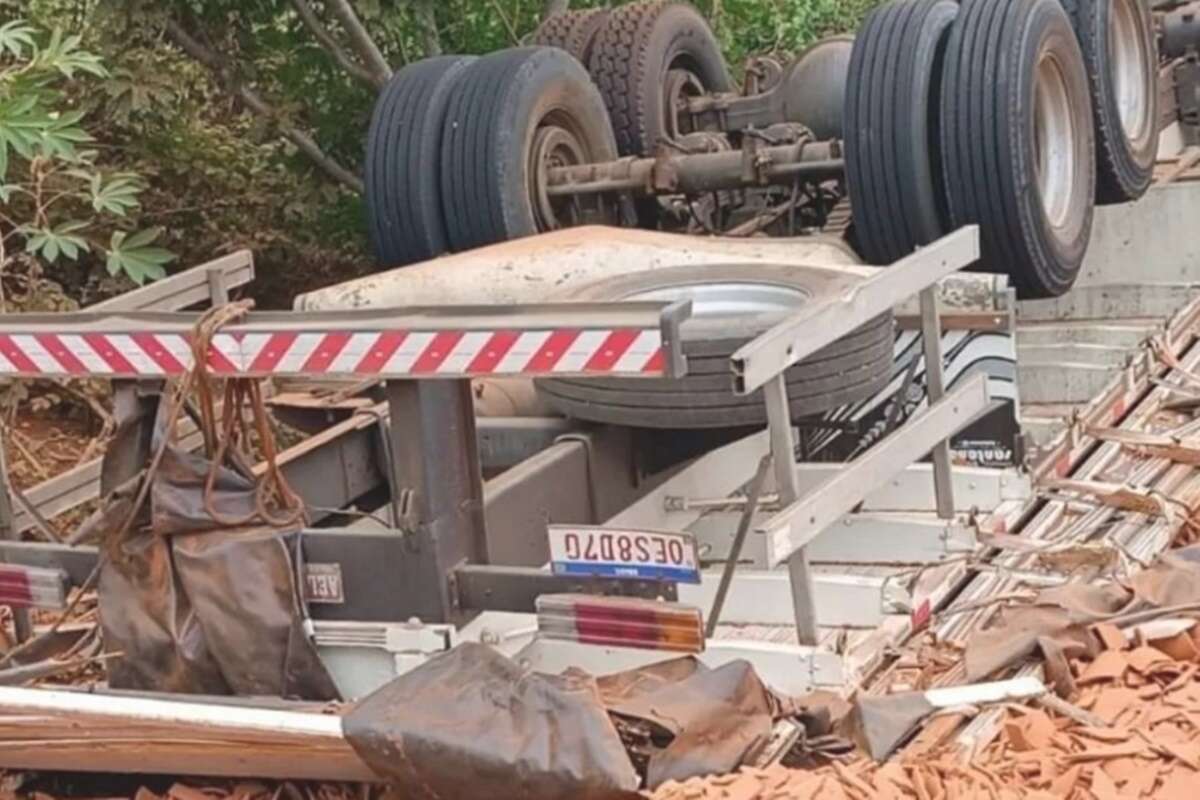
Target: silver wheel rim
{"points": [[729, 299], [1054, 139], [1127, 63]]}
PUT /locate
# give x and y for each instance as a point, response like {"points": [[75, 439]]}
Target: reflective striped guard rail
{"points": [[567, 339]]}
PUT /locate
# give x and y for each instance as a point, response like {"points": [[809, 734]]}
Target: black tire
{"points": [[1034, 222], [401, 175], [573, 31], [636, 47], [501, 103], [855, 367], [893, 87], [1125, 156]]}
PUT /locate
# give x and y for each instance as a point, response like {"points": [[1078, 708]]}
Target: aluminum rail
{"points": [[800, 522], [762, 363], [627, 339], [822, 323]]}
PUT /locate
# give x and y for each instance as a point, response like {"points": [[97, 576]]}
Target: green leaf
{"points": [[49, 243], [16, 36], [117, 196], [136, 256]]}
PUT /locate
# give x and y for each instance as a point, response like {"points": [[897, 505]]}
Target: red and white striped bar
{"points": [[32, 587], [577, 339]]}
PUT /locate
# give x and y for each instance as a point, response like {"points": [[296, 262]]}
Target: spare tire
{"points": [[893, 169], [638, 45], [573, 31], [401, 168], [1017, 145], [1119, 48], [731, 305], [513, 114]]}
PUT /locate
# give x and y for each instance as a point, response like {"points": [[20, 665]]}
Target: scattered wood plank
{"points": [[48, 729]]}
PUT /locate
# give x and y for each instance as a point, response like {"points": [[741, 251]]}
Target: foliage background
{"points": [[218, 173]]}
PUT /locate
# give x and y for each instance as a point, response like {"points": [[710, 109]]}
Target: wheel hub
{"points": [[1054, 139], [680, 86], [1128, 63], [553, 147]]}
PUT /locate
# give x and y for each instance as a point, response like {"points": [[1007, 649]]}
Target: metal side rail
{"points": [[761, 363]]}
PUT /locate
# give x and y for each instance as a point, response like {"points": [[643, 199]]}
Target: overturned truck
{"points": [[756, 418]]}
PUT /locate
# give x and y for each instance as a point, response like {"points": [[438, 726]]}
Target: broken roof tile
{"points": [[1110, 665], [1112, 701], [1110, 636], [1181, 647]]}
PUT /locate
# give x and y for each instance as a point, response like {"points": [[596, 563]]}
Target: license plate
{"points": [[617, 553]]}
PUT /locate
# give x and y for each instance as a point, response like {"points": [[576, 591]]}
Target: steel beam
{"points": [[437, 490], [333, 468], [507, 441], [975, 488], [825, 320], [583, 479], [764, 597], [800, 522], [864, 538]]}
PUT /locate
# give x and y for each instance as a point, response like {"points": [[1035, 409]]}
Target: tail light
{"points": [[36, 587], [621, 622]]}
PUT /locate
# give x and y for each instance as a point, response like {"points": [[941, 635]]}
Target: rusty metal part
{"points": [[753, 165], [680, 88], [555, 146], [763, 74]]}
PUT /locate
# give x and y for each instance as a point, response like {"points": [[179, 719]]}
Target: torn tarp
{"points": [[711, 719], [196, 606], [1061, 614], [474, 718]]}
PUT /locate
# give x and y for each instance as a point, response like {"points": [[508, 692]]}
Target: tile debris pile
{"points": [[1143, 741]]}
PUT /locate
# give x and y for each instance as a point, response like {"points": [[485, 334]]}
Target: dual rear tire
{"points": [[1014, 115], [459, 149]]}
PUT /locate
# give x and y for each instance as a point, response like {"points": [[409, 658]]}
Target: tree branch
{"points": [[427, 23], [327, 41], [254, 100], [508, 26], [364, 45]]}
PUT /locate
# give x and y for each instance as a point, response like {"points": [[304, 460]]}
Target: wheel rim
{"points": [[1054, 139], [1128, 65], [553, 146], [729, 299], [680, 86]]}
